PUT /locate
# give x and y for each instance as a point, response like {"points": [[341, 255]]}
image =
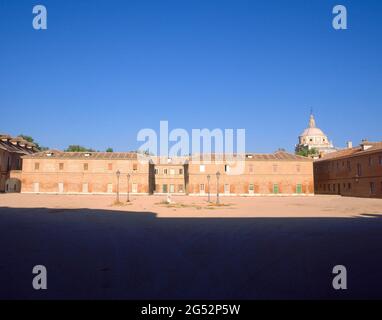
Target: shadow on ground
{"points": [[99, 254]]}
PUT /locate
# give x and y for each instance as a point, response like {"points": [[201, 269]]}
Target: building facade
{"points": [[11, 151], [353, 172], [53, 171]]}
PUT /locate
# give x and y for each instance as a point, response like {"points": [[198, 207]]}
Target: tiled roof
{"points": [[280, 155], [7, 145], [350, 152], [82, 155]]}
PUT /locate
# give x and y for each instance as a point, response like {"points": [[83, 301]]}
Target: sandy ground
{"points": [[253, 248], [192, 206]]}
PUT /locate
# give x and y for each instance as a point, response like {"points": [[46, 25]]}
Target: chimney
{"points": [[349, 144]]}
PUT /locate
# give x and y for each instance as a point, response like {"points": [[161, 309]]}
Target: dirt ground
{"points": [[249, 248], [192, 206]]}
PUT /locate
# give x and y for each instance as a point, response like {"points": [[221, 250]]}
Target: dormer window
{"points": [[49, 154], [87, 154]]}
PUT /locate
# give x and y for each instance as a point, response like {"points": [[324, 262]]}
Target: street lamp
{"points": [[217, 187], [128, 187], [208, 186], [118, 173]]}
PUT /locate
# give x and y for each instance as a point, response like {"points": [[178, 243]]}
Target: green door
{"points": [[275, 188], [299, 188], [165, 188]]}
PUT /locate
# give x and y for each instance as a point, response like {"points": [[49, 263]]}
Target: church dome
{"points": [[313, 137], [312, 130]]}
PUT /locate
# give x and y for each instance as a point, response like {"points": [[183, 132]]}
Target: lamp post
{"points": [[128, 187], [118, 173], [208, 186], [217, 187]]}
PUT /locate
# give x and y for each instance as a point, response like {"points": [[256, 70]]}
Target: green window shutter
{"points": [[275, 188], [299, 188]]}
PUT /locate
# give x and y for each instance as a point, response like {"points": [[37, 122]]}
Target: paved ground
{"points": [[251, 248]]}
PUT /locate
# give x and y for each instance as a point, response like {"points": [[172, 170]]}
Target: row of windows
{"points": [[168, 171], [338, 187], [85, 187], [85, 166], [171, 188], [337, 165], [251, 188], [202, 168]]}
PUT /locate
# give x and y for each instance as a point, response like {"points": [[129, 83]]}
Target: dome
{"points": [[312, 132]]}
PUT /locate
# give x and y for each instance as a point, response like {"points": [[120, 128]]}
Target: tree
{"points": [[306, 152], [109, 150], [31, 140], [78, 148]]}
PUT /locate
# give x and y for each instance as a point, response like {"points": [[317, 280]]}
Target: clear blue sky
{"points": [[105, 69]]}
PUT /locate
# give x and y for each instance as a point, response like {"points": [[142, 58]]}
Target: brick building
{"points": [[351, 172], [53, 171], [11, 150]]}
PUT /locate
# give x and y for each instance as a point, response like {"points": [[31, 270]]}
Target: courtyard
{"points": [[245, 248]]}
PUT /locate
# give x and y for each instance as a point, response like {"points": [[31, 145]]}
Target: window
{"points": [[251, 187], [349, 186], [156, 171], [359, 169], [134, 188], [180, 188], [298, 188], [110, 166], [135, 166], [372, 188], [86, 166], [165, 172], [226, 168], [172, 188], [180, 171], [202, 187], [85, 187], [172, 171], [60, 187], [370, 161], [334, 187], [61, 166], [36, 187], [202, 168], [226, 188], [164, 188], [329, 187], [37, 166], [348, 165], [109, 188]]}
